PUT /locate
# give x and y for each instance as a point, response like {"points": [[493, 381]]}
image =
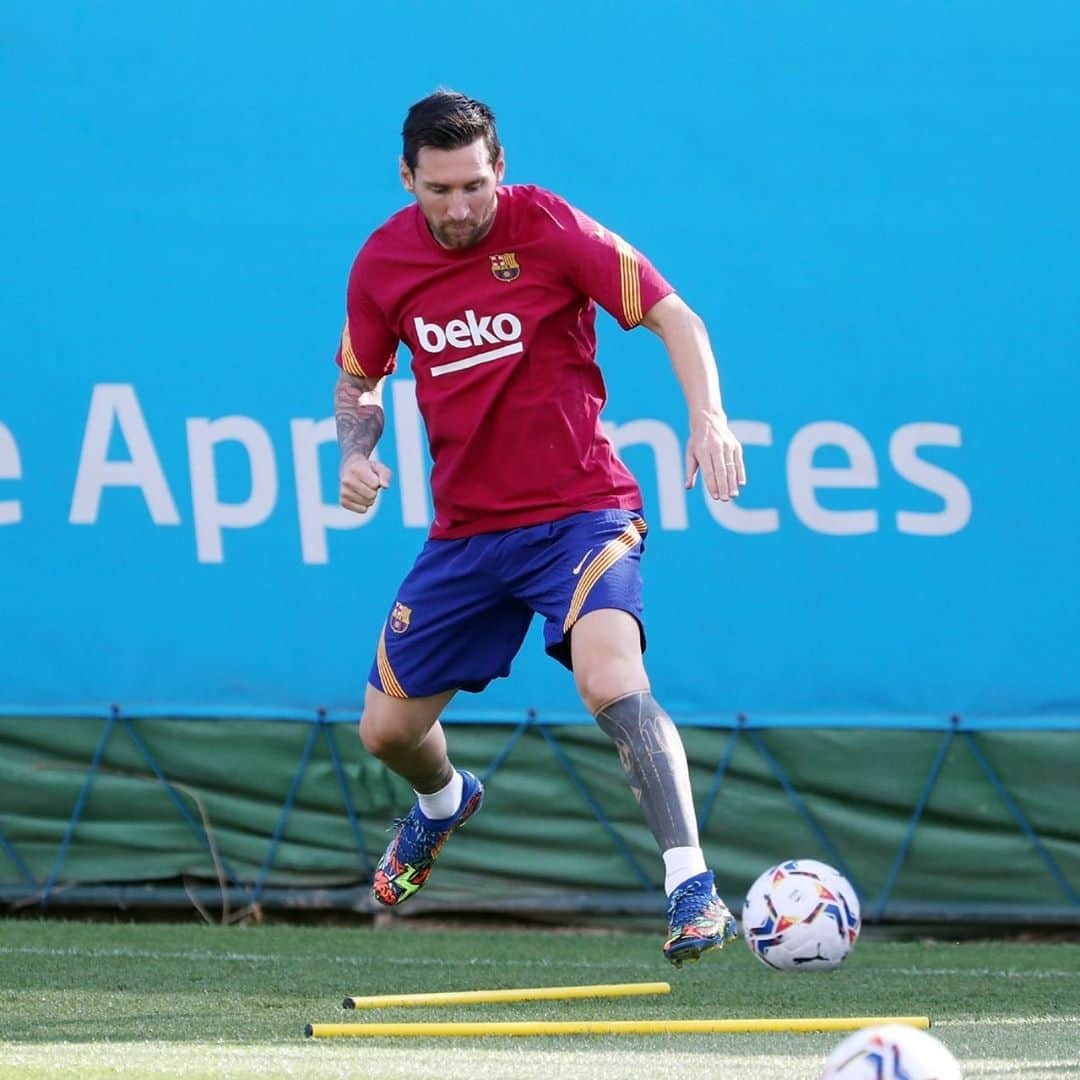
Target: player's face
{"points": [[456, 190]]}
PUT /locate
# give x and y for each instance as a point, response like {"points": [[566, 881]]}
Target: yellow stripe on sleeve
{"points": [[391, 686], [348, 357], [631, 282]]}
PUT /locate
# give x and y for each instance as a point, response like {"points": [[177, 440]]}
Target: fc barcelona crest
{"points": [[399, 618], [505, 267]]}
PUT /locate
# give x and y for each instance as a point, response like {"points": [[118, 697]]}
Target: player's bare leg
{"points": [[406, 736], [611, 679]]}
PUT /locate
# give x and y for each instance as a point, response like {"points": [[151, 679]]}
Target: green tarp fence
{"points": [[947, 821]]}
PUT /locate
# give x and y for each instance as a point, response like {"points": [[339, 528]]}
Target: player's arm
{"points": [[711, 449], [366, 354], [358, 411], [619, 278]]}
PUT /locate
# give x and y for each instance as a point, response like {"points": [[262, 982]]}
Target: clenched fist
{"points": [[361, 479]]}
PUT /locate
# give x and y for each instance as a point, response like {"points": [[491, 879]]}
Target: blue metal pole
{"points": [[286, 810], [1018, 815], [196, 826], [803, 810], [343, 783], [16, 858], [594, 806], [504, 753], [909, 835], [80, 803], [718, 776]]}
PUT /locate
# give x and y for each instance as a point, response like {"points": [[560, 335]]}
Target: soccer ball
{"points": [[891, 1052], [801, 916]]}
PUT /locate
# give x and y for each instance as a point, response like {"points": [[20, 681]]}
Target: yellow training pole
{"points": [[611, 1027], [538, 993]]}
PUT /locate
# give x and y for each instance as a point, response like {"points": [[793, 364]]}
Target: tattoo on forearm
{"points": [[359, 431], [359, 423]]}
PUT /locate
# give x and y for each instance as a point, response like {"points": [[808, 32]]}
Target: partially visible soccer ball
{"points": [[891, 1052], [801, 916]]}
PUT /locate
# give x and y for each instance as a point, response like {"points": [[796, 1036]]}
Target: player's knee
{"points": [[380, 739], [600, 684]]}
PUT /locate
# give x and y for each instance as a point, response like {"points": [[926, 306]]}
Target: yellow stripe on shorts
{"points": [[608, 556], [389, 681]]}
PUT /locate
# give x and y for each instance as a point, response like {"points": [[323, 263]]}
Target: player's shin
{"points": [[652, 756], [654, 760]]}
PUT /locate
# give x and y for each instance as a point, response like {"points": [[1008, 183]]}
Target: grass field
{"points": [[99, 1000]]}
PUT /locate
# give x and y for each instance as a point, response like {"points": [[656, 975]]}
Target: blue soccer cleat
{"points": [[698, 920], [407, 861]]}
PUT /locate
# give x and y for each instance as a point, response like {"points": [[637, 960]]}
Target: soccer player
{"points": [[493, 288]]}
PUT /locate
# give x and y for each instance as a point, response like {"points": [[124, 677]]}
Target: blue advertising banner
{"points": [[873, 207]]}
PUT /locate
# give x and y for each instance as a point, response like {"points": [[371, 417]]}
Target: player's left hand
{"points": [[714, 451]]}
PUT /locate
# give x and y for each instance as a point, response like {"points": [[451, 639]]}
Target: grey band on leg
{"points": [[654, 760]]}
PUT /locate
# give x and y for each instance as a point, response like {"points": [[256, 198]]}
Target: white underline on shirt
{"points": [[478, 358]]}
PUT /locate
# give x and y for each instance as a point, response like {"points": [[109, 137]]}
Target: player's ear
{"points": [[406, 175], [500, 166]]}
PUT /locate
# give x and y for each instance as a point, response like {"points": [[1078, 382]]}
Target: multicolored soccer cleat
{"points": [[407, 861], [698, 920]]}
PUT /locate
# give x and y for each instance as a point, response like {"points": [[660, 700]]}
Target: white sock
{"points": [[681, 863], [444, 802]]}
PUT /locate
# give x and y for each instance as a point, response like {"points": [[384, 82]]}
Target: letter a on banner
{"points": [[116, 402]]}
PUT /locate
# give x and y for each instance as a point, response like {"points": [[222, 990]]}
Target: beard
{"points": [[463, 234]]}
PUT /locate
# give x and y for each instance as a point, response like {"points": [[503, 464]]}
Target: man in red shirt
{"points": [[494, 289]]}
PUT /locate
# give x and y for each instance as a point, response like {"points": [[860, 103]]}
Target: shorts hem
{"points": [[560, 650], [472, 686]]}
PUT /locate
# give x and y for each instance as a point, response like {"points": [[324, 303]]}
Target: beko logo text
{"points": [[467, 333], [471, 333]]}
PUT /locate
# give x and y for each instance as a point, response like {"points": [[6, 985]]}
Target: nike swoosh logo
{"points": [[577, 569]]}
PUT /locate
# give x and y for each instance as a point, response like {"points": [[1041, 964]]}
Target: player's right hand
{"points": [[361, 479]]}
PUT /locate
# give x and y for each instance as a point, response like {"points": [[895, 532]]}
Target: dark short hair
{"points": [[446, 120]]}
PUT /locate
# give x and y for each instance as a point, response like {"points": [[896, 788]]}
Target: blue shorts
{"points": [[462, 612]]}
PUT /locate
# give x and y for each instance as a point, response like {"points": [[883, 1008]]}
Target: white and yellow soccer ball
{"points": [[891, 1052], [801, 915]]}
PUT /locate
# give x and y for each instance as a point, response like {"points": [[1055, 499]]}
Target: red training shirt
{"points": [[503, 345]]}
